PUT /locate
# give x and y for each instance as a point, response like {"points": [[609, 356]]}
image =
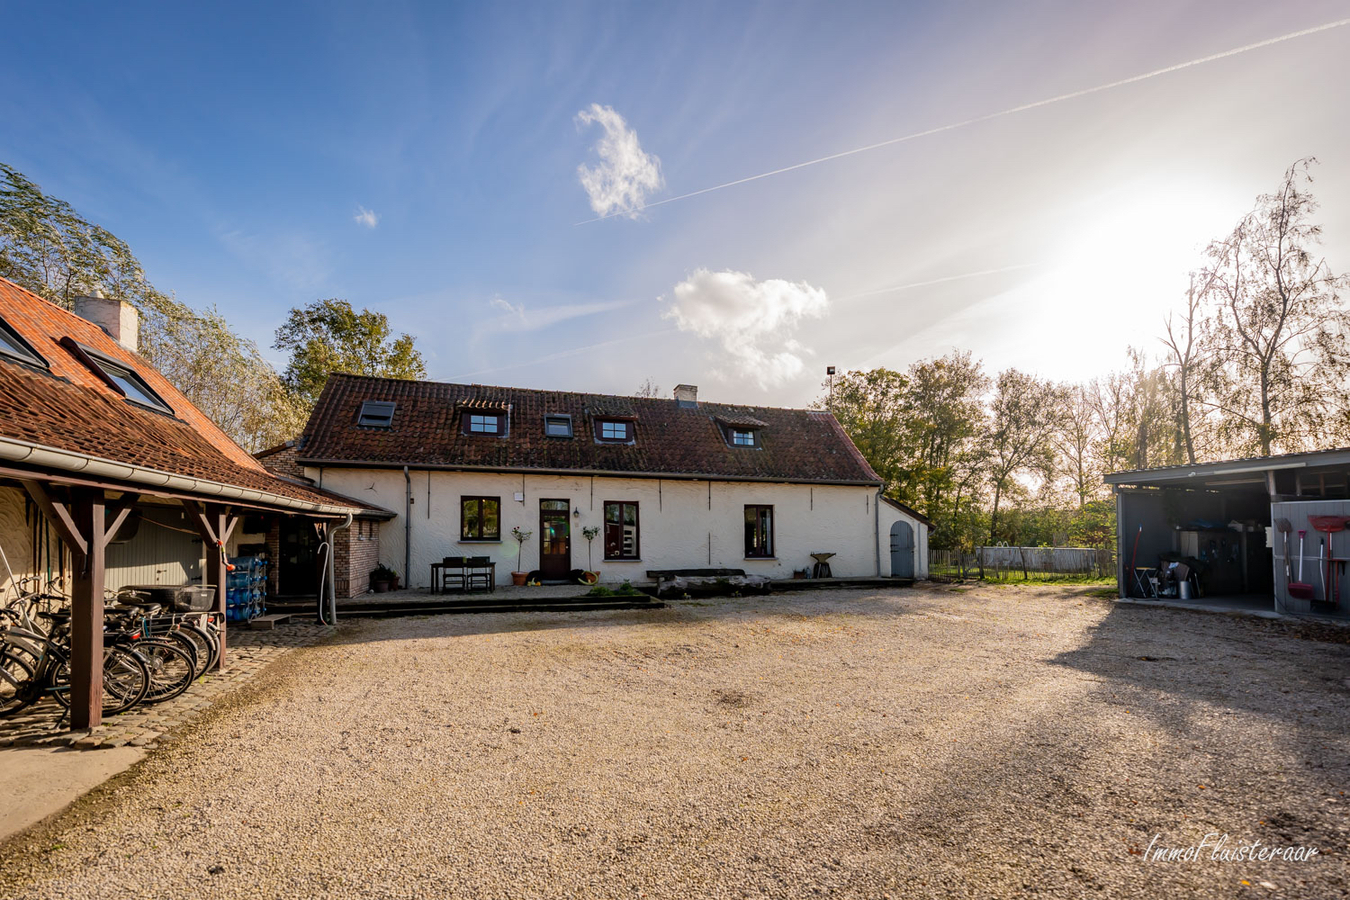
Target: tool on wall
{"points": [[1328, 525], [1321, 546], [1300, 589]]}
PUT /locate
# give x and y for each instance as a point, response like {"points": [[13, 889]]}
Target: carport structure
{"points": [[91, 431], [1222, 521]]}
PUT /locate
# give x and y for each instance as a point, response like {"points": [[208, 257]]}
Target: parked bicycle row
{"points": [[152, 652]]}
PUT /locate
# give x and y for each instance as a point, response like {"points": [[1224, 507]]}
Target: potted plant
{"points": [[382, 578], [521, 536], [590, 576]]}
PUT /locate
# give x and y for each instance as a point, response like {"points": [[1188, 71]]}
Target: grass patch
{"points": [[1048, 578]]}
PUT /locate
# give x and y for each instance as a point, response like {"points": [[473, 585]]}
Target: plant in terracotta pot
{"points": [[521, 536], [382, 578]]}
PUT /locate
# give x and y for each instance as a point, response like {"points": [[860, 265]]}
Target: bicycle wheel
{"points": [[17, 686], [126, 678], [171, 668], [205, 644], [188, 646]]}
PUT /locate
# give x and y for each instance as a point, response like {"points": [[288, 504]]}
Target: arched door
{"points": [[902, 550]]}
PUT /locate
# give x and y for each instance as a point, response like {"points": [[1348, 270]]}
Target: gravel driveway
{"points": [[989, 742]]}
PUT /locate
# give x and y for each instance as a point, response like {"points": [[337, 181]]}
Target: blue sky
{"points": [[238, 150]]}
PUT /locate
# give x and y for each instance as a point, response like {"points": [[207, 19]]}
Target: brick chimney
{"points": [[117, 318], [686, 395]]}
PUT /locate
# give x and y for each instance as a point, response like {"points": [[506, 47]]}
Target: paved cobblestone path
{"points": [[935, 742], [249, 653]]}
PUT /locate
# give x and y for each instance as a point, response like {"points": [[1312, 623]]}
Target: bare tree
{"points": [[1277, 333], [648, 388], [1184, 357]]}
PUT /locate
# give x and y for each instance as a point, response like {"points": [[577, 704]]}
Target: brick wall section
{"points": [[356, 551], [282, 461]]}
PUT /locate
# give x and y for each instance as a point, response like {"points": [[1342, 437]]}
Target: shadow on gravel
{"points": [[1173, 662], [891, 604]]}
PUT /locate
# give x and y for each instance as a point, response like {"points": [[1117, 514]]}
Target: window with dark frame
{"points": [[758, 532], [613, 430], [485, 423], [621, 530], [376, 414], [121, 377], [480, 518], [558, 426], [742, 437], [14, 346]]}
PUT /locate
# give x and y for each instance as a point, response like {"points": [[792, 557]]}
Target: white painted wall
{"points": [[889, 516], [682, 524]]}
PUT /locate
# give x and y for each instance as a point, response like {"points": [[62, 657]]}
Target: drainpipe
{"points": [[328, 584], [407, 528], [876, 529]]}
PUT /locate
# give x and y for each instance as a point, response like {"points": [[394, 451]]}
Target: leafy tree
{"points": [[942, 415], [1077, 437], [330, 336], [1022, 419], [871, 407], [48, 248], [1277, 332]]}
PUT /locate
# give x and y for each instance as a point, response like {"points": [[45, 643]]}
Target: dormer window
{"points": [[119, 376], [488, 417], [13, 346], [740, 430], [376, 414], [559, 426], [613, 430], [484, 423]]}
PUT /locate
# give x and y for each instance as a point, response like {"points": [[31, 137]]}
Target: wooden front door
{"points": [[555, 539]]}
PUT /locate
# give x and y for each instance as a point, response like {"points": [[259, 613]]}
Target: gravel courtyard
{"points": [[987, 742]]}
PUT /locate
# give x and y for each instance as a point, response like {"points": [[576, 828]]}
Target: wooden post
{"points": [[86, 623], [82, 528], [215, 525]]}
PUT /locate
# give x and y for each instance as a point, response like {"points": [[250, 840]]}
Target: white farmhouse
{"points": [[661, 484]]}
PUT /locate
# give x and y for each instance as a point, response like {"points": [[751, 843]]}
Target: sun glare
{"points": [[1109, 285]]}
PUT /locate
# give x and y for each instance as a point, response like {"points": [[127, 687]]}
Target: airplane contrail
{"points": [[944, 280], [1246, 48]]}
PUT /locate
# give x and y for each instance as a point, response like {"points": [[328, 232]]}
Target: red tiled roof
{"points": [[68, 407], [796, 445]]}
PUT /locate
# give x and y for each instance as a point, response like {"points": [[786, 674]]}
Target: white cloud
{"points": [[366, 217], [753, 320], [626, 174]]}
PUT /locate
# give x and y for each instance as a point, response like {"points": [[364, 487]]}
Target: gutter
{"points": [[669, 476], [82, 463]]}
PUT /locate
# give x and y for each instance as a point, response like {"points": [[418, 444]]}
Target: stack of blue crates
{"points": [[246, 589]]}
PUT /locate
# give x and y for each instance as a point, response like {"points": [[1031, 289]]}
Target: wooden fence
{"points": [[1007, 563]]}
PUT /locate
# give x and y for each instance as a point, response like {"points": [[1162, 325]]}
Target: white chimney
{"points": [[686, 395], [116, 317]]}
